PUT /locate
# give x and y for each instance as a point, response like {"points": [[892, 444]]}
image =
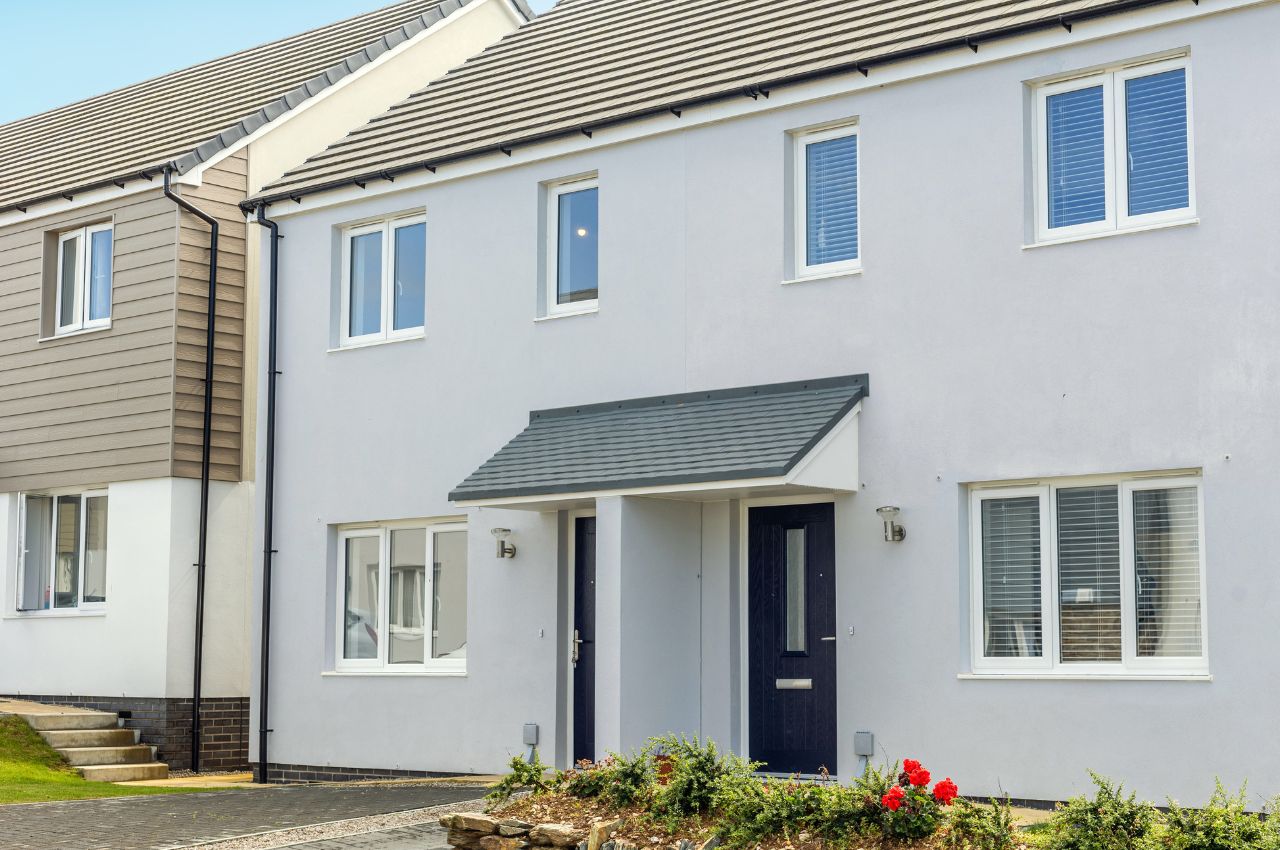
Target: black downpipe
{"points": [[268, 486], [206, 450]]}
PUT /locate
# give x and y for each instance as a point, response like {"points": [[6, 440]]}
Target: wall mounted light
{"points": [[505, 549], [893, 532]]}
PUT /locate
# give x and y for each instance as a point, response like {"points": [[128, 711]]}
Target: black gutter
{"points": [[206, 450], [754, 91], [268, 486]]}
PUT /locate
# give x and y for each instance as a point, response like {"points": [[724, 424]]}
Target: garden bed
{"points": [[678, 794]]}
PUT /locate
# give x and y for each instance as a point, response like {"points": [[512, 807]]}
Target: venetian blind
{"points": [[1077, 157], [1156, 142], [1011, 569], [1089, 609], [1166, 554], [831, 200]]}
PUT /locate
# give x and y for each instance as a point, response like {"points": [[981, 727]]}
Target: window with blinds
{"points": [[827, 201], [1011, 596], [1114, 150], [1097, 576]]}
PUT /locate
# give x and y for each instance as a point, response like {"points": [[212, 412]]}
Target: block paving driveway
{"points": [[169, 821]]}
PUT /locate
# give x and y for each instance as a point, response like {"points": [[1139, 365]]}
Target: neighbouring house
{"points": [[126, 468], [838, 380]]}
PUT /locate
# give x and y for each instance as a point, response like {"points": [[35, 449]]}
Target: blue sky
{"points": [[106, 44]]}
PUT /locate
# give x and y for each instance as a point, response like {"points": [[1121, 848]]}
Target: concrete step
{"points": [[79, 720], [90, 738], [124, 772], [90, 756]]}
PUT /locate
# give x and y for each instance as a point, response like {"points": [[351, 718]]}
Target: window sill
{"points": [[1104, 234], [824, 276], [70, 334], [456, 674], [376, 342], [1157, 676], [57, 614], [567, 314]]}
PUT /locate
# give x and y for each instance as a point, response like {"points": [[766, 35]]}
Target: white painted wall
{"points": [[1140, 352], [141, 643]]}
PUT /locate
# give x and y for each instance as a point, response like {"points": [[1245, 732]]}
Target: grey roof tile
{"points": [[718, 435], [591, 63], [186, 117]]}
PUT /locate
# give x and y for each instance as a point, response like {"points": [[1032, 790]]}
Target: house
{"points": [[841, 381], [126, 462]]}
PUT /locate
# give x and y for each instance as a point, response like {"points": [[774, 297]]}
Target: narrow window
{"points": [[795, 590], [827, 179], [1011, 578], [384, 280], [1166, 555], [83, 297], [573, 252], [1114, 150], [396, 614], [1089, 574], [63, 561]]}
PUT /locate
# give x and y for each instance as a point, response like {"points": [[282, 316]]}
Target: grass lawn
{"points": [[32, 772]]}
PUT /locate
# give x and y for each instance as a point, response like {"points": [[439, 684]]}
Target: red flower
{"points": [[945, 791], [919, 777], [910, 765], [893, 799]]}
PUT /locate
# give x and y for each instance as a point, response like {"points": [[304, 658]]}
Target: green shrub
{"points": [[619, 780], [1223, 824], [524, 774], [1109, 821], [974, 826], [845, 813], [750, 810], [697, 769]]}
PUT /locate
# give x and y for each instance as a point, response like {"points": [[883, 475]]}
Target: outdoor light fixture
{"points": [[893, 532], [505, 549]]}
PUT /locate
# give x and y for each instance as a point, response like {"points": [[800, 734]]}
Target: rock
{"points": [[475, 822], [602, 832], [511, 827], [555, 835], [498, 842], [711, 843], [464, 839]]}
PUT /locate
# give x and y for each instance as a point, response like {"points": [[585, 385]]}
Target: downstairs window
{"points": [[63, 552], [1087, 576]]}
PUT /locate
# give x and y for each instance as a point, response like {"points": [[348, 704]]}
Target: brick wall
{"points": [[165, 723], [330, 773]]}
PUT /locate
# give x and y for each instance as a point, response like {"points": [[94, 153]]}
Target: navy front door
{"points": [[584, 639], [792, 637]]}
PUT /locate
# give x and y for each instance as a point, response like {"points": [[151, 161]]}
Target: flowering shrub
{"points": [[908, 809]]}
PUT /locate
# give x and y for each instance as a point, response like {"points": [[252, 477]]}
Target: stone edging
{"points": [[477, 831]]}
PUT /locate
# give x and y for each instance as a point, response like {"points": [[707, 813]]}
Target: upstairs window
{"points": [[826, 179], [1114, 150], [403, 595], [82, 296], [1100, 576], [573, 249], [63, 552], [384, 275]]}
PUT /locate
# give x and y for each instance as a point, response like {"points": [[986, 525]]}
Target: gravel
{"points": [[341, 828]]}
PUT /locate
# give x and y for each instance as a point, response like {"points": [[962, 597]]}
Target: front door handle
{"points": [[833, 637], [577, 642]]}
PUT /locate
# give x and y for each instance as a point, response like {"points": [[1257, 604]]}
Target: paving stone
{"points": [[167, 822]]}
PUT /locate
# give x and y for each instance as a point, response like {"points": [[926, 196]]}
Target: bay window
{"points": [[62, 552], [402, 595], [1100, 575]]}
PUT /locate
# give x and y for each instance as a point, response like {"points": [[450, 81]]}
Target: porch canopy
{"points": [[778, 439]]}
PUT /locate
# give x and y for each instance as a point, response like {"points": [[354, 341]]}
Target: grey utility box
{"points": [[864, 744], [531, 734]]}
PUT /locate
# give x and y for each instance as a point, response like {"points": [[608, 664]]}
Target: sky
{"points": [[105, 44]]}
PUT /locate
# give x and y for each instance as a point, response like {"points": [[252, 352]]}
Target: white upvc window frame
{"points": [[551, 306], [802, 139], [81, 606], [382, 531], [1049, 665], [79, 320], [387, 227], [1115, 149]]}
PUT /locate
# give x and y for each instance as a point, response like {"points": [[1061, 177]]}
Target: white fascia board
{"points": [[784, 97]]}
